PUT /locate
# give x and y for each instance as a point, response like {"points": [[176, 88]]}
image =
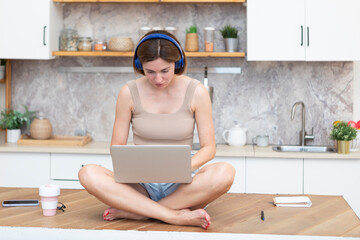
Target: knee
{"points": [[87, 175], [223, 176]]}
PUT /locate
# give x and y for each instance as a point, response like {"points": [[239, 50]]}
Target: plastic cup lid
{"points": [[49, 190]]}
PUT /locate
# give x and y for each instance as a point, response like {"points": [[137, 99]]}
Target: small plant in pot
{"points": [[13, 120], [229, 34], [2, 68], [343, 134], [192, 40]]}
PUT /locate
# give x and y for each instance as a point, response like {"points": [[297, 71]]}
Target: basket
{"points": [[121, 44]]}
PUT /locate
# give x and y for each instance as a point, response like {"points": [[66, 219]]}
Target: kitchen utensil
{"points": [[236, 136], [261, 140]]}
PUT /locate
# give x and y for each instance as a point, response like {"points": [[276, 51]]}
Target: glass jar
{"points": [[84, 44], [209, 39], [100, 45], [68, 40]]}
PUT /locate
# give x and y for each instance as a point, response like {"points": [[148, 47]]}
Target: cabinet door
{"points": [[24, 169], [332, 28], [66, 166], [274, 175], [29, 29], [334, 177], [275, 30]]}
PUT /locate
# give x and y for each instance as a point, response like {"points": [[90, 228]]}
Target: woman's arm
{"points": [[201, 105], [124, 106]]}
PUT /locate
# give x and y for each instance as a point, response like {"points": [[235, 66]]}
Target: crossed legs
{"points": [[182, 207]]}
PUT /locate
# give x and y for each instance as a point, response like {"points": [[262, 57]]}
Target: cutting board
{"points": [[55, 141]]}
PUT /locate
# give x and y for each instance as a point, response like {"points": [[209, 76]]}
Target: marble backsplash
{"points": [[260, 98]]}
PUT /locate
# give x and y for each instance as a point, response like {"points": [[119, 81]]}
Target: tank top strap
{"points": [[189, 94], [135, 95]]}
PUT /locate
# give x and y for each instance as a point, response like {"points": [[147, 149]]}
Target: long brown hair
{"points": [[153, 49]]}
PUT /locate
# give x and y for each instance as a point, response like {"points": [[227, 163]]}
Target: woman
{"points": [[162, 107]]}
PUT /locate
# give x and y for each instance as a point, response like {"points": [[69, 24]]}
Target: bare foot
{"points": [[197, 217], [113, 213]]}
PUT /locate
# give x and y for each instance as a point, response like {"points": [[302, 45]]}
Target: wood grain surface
{"points": [[231, 213]]}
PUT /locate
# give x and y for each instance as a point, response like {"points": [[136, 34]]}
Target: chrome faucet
{"points": [[303, 136]]}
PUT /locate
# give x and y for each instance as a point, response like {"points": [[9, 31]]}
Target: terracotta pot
{"points": [[343, 147], [40, 129], [192, 42]]}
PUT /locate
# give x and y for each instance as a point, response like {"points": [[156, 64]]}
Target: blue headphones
{"points": [[178, 64]]}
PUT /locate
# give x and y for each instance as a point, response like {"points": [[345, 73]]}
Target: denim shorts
{"points": [[158, 191]]}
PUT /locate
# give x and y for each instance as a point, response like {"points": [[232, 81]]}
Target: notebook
{"points": [[151, 163], [292, 201]]}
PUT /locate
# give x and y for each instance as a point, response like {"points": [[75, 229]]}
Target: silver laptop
{"points": [[151, 163]]}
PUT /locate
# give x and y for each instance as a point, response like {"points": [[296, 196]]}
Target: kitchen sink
{"points": [[313, 149]]}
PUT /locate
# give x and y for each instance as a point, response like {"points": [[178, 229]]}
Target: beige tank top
{"points": [[163, 129]]}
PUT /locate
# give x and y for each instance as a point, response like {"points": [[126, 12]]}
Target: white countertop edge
{"points": [[221, 151]]}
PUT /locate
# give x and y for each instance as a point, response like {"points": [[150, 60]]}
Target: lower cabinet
{"points": [[334, 177], [24, 169], [64, 168], [274, 175]]}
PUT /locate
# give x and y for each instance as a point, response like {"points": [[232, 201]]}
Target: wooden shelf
{"points": [[150, 1], [130, 54]]}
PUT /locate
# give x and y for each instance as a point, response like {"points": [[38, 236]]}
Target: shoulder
{"points": [[200, 97]]}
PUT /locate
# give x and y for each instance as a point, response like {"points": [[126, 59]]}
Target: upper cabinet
{"points": [[302, 30], [29, 29]]}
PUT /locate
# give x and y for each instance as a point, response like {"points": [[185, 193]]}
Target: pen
{"points": [[262, 216]]}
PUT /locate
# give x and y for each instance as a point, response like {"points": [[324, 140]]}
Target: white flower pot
{"points": [[13, 135]]}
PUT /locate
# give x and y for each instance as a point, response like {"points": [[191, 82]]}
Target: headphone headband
{"points": [[178, 64]]}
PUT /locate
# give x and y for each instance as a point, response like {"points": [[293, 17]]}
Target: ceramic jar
{"points": [[40, 128]]}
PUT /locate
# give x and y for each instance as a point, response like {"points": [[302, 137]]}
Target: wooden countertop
{"points": [[231, 213], [221, 151]]}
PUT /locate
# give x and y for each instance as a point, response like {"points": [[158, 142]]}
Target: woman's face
{"points": [[159, 72]]}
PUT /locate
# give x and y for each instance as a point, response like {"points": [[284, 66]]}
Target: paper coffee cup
{"points": [[49, 194]]}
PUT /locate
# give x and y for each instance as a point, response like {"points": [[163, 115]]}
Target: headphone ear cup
{"points": [[180, 63], [138, 64]]}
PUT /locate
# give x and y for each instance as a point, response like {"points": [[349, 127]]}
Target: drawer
{"points": [[67, 166]]}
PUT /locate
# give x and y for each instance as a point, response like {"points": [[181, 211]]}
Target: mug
{"points": [[261, 140]]}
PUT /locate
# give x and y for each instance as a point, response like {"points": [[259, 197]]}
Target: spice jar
{"points": [[84, 44], [100, 45], [69, 40]]}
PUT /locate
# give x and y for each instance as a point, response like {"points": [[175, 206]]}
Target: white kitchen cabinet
{"points": [[239, 164], [298, 30], [334, 177], [64, 168], [274, 175], [24, 170], [29, 29]]}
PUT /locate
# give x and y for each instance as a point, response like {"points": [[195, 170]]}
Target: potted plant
{"points": [[13, 120], [2, 68], [343, 134], [192, 42], [229, 34]]}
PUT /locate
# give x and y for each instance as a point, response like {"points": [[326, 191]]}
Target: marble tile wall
{"points": [[260, 98]]}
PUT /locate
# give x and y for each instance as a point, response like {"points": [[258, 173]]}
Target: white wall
{"points": [[356, 105]]}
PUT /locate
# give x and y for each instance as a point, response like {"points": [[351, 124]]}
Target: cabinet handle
{"points": [[302, 35], [308, 38], [44, 35]]}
